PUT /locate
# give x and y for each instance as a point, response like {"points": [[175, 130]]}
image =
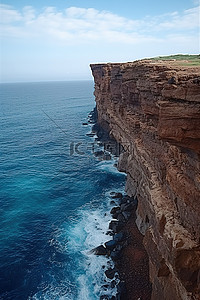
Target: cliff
{"points": [[153, 109]]}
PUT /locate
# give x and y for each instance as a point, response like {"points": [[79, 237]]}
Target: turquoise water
{"points": [[54, 199]]}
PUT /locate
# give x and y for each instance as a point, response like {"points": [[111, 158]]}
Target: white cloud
{"points": [[28, 14], [189, 20], [8, 14], [80, 25]]}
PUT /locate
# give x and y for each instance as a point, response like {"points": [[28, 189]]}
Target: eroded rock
{"points": [[100, 250], [152, 109]]}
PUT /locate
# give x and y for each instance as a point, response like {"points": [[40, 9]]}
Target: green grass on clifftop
{"points": [[182, 59]]}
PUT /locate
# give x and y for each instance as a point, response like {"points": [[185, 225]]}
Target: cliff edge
{"points": [[153, 109]]}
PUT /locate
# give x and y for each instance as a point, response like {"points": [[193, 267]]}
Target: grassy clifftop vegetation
{"points": [[183, 59]]}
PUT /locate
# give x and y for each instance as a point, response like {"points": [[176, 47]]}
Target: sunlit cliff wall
{"points": [[153, 109]]}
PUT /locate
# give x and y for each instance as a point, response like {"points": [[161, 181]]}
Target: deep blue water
{"points": [[53, 200]]}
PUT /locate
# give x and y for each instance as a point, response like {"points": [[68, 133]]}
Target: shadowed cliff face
{"points": [[153, 110]]}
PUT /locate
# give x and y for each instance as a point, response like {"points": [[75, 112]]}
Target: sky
{"points": [[52, 40]]}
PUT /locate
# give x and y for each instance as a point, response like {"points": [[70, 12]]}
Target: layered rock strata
{"points": [[153, 110]]}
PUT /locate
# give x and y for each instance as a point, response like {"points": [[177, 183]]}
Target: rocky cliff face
{"points": [[153, 110]]}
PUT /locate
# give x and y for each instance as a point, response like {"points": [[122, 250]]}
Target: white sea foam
{"points": [[77, 238], [54, 291], [82, 235], [108, 166], [86, 234]]}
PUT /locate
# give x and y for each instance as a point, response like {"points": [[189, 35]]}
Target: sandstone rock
{"points": [[110, 245], [112, 202], [117, 196], [106, 156], [121, 218], [100, 250], [115, 226], [126, 207], [121, 288], [126, 215], [152, 109], [110, 273], [113, 284], [119, 237], [99, 153], [115, 254], [115, 209]]}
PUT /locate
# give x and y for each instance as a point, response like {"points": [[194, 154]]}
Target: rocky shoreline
{"points": [[130, 274], [127, 252]]}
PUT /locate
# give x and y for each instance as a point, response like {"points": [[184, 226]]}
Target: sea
{"points": [[55, 196]]}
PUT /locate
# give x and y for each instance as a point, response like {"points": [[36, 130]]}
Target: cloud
{"points": [[9, 15], [76, 25], [188, 20]]}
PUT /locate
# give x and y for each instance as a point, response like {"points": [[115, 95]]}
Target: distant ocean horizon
{"points": [[54, 193], [45, 81]]}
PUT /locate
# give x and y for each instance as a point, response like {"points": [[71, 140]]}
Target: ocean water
{"points": [[54, 194]]}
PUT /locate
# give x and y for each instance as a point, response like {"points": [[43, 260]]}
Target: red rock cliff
{"points": [[153, 109]]}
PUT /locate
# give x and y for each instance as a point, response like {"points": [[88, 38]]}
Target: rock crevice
{"points": [[153, 110]]}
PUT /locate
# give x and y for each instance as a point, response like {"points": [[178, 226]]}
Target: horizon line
{"points": [[44, 81]]}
